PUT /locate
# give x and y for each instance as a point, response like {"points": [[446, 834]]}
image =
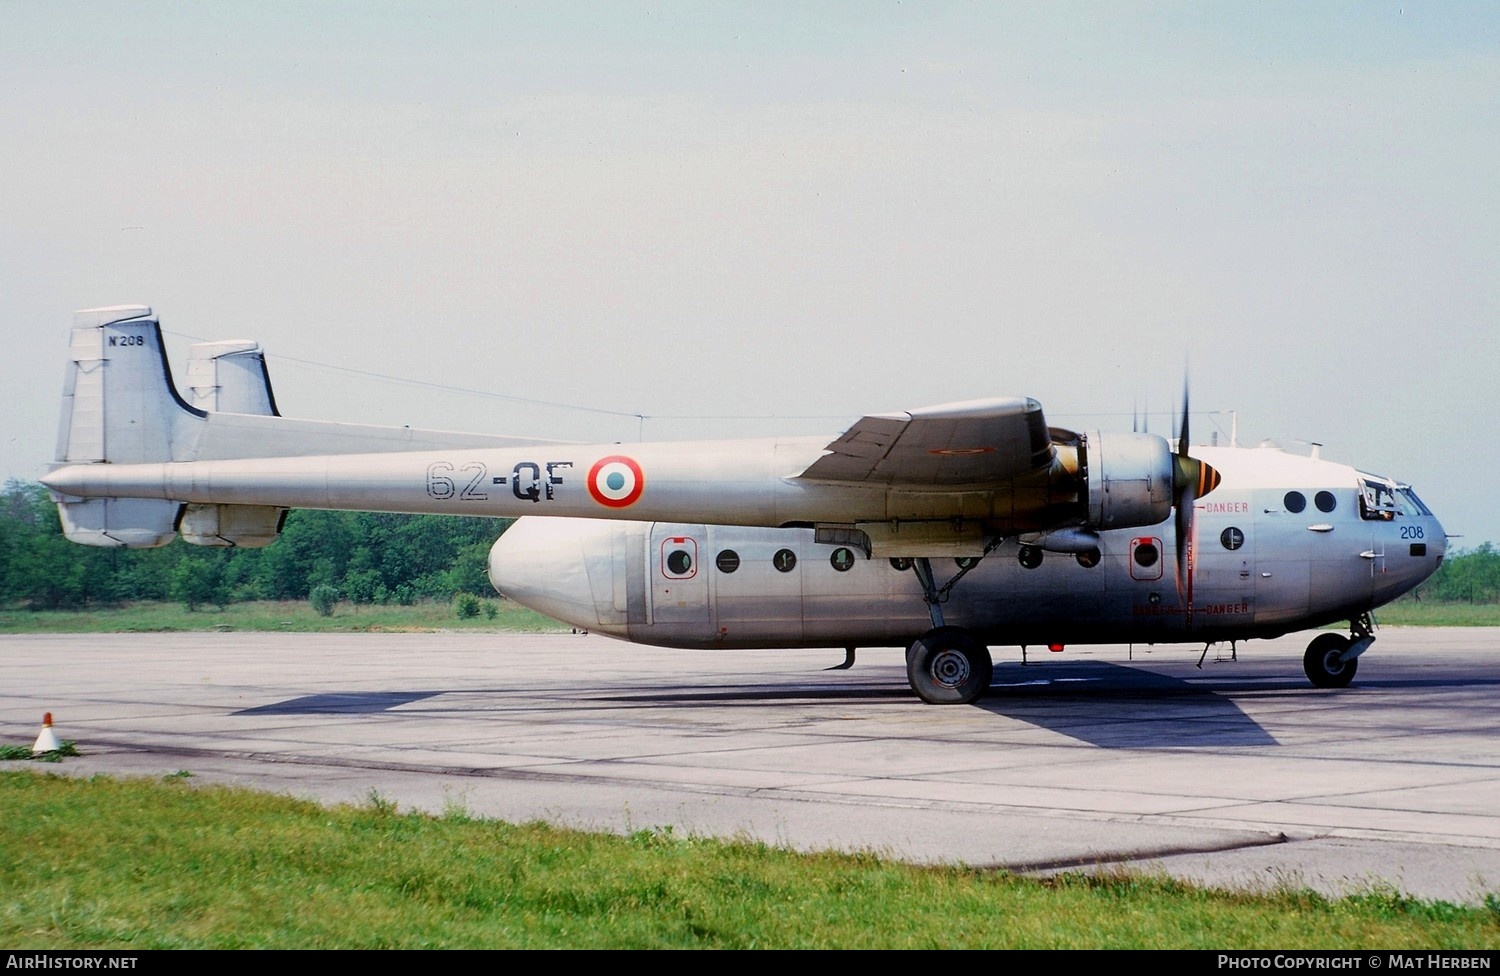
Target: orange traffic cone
{"points": [[47, 740]]}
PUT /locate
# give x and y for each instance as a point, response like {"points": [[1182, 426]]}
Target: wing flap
{"points": [[976, 442]]}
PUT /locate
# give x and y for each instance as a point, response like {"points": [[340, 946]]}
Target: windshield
{"points": [[1410, 503]]}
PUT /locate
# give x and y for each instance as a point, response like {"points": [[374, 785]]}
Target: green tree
{"points": [[372, 557], [323, 599], [198, 579], [1471, 576]]}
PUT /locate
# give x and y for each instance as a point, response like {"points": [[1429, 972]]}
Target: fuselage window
{"points": [[1146, 554], [1231, 538], [1030, 557], [679, 562], [679, 557], [1089, 558], [1294, 501], [728, 561], [841, 559], [785, 560], [900, 563], [1325, 501]]}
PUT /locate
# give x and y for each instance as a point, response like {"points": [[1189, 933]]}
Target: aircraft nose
{"points": [[541, 563]]}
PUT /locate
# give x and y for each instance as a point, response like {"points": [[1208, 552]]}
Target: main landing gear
{"points": [[1332, 659], [946, 665]]}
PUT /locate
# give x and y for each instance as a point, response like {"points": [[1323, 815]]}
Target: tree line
{"points": [[366, 557]]}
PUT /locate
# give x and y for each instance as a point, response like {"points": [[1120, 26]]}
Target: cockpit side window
{"points": [[1377, 500]]}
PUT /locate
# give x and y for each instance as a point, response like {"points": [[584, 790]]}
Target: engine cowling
{"points": [[1129, 478]]}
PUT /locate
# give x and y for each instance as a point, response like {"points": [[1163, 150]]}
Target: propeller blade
{"points": [[1182, 441], [1191, 480]]}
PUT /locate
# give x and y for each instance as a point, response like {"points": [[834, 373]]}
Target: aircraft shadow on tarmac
{"points": [[1108, 705], [1123, 707], [349, 703]]}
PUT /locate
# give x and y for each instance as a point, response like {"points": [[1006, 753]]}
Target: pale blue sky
{"points": [[786, 214]]}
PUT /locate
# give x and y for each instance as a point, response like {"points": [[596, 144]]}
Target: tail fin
{"points": [[119, 406], [119, 403], [231, 377]]}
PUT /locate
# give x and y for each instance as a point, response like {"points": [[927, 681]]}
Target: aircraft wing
{"points": [[976, 442]]}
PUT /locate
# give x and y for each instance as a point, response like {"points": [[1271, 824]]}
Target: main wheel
{"points": [[948, 667], [1324, 662]]}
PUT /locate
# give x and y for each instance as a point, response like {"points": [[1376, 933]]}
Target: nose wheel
{"points": [[946, 666], [1327, 661]]}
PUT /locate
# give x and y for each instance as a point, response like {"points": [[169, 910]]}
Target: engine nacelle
{"points": [[1129, 479]]}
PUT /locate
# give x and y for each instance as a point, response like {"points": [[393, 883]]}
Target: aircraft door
{"points": [[1224, 576], [758, 576], [679, 580], [1283, 574]]}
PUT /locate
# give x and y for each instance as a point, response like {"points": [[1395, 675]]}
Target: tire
{"points": [[1322, 664], [946, 666]]}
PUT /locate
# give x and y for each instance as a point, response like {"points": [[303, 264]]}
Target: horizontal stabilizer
{"points": [[135, 523]]}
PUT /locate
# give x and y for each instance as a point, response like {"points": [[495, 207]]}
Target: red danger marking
{"points": [[616, 481]]}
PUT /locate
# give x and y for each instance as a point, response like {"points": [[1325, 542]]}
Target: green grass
{"points": [[1428, 613], [64, 750], [293, 616], [137, 864]]}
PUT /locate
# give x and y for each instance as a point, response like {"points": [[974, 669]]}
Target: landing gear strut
{"points": [[1332, 659], [946, 665]]}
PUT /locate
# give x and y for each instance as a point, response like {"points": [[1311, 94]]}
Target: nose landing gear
{"points": [[1332, 659]]}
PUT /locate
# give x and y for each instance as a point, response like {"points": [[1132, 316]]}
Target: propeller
{"points": [[1191, 480]]}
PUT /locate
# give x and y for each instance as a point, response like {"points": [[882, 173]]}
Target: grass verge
{"points": [[105, 863], [292, 616], [1430, 613]]}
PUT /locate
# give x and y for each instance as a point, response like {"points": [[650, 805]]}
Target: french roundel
{"points": [[616, 481]]}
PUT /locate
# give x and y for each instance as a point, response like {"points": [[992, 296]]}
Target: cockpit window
{"points": [[1377, 501], [1410, 503], [1381, 500]]}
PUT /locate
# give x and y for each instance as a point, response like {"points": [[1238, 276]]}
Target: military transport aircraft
{"points": [[942, 529]]}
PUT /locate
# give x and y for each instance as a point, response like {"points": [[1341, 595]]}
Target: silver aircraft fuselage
{"points": [[1286, 542], [944, 528]]}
